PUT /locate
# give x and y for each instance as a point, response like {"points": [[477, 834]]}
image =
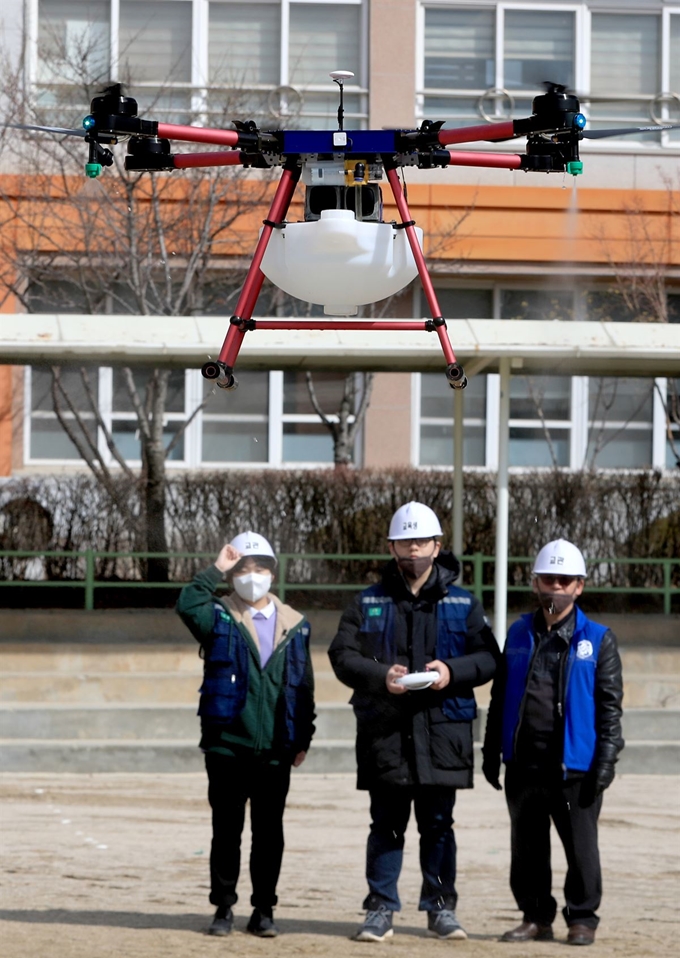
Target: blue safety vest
{"points": [[226, 667], [580, 731], [377, 609]]}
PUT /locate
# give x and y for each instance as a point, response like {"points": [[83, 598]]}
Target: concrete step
{"points": [[32, 755], [645, 690], [82, 657], [157, 673], [131, 687], [127, 722], [148, 626]]}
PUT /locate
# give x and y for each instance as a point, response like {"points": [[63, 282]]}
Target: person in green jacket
{"points": [[257, 718]]}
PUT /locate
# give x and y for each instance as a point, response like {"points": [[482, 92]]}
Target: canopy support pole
{"points": [[502, 507], [457, 514]]}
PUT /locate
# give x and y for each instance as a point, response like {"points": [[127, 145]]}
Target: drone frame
{"points": [[553, 131]]}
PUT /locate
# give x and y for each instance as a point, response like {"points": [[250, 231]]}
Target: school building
{"points": [[503, 245]]}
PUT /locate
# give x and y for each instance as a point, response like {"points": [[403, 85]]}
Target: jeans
{"points": [[232, 781], [390, 812], [533, 800]]}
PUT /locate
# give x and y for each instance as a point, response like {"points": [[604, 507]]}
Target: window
{"points": [[540, 420], [537, 304], [537, 46], [211, 59], [608, 306], [154, 47], [47, 440], [74, 45], [619, 423], [436, 421], [305, 438], [624, 69], [235, 423], [124, 423], [244, 54], [462, 303], [468, 75], [489, 61], [268, 421], [672, 416]]}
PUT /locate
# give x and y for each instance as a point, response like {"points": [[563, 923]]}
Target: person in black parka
{"points": [[414, 746]]}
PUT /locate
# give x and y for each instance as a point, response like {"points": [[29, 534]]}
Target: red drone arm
{"points": [[198, 134], [471, 134], [502, 161], [184, 161]]}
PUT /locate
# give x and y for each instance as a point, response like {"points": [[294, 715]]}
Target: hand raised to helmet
{"points": [[227, 558]]}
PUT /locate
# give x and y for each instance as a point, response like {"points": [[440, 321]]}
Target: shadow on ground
{"points": [[192, 922]]}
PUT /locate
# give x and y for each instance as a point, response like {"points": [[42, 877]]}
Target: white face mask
{"points": [[253, 586]]}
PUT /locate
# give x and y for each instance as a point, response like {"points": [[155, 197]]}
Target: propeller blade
{"points": [[601, 134], [45, 129]]}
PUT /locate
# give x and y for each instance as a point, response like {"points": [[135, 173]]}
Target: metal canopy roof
{"points": [[545, 347]]}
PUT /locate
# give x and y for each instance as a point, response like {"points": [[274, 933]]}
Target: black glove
{"points": [[604, 776], [491, 769]]}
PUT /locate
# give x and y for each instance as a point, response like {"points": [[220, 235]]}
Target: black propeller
{"points": [[45, 129], [601, 134]]}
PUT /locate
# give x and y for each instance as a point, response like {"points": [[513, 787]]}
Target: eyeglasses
{"points": [[413, 542], [563, 580]]}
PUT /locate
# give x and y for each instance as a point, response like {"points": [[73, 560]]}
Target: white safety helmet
{"points": [[414, 521], [252, 544], [561, 557]]}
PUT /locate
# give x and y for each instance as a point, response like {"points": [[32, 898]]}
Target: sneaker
{"points": [[377, 925], [223, 921], [262, 924], [444, 924]]}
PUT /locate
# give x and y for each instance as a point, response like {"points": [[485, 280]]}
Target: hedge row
{"points": [[634, 515]]}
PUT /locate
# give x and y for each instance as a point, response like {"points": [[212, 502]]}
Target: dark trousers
{"points": [[390, 812], [231, 783], [533, 800]]}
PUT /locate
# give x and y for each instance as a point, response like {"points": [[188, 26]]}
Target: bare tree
{"points": [[130, 243], [346, 421]]}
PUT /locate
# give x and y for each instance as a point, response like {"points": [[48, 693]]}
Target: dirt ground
{"points": [[117, 865]]}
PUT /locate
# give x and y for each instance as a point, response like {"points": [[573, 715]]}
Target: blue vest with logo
{"points": [[580, 731], [377, 609], [225, 682]]}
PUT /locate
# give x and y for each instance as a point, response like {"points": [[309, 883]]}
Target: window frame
{"points": [[198, 87], [582, 62]]}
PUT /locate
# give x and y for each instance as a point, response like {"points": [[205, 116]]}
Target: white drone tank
{"points": [[340, 263]]}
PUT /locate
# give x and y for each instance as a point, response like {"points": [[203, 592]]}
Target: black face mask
{"points": [[414, 566], [555, 602]]}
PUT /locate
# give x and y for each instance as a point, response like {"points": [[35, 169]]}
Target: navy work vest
{"points": [[580, 732], [225, 681], [377, 608]]}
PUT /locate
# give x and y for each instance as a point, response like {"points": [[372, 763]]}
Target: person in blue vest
{"points": [[257, 718], [414, 743], [555, 718]]}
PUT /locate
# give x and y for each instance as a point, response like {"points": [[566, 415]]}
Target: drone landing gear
{"points": [[220, 374], [221, 371], [454, 371]]}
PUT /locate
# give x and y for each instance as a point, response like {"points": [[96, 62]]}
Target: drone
{"points": [[343, 255]]}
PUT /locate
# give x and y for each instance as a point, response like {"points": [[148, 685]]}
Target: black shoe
{"points": [[262, 924], [529, 931], [223, 921], [377, 925]]}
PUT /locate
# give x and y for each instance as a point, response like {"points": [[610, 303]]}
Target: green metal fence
{"points": [[473, 573]]}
